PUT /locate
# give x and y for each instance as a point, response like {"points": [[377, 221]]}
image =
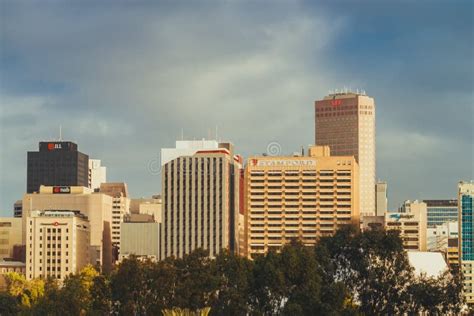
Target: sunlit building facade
{"points": [[298, 197], [346, 123]]}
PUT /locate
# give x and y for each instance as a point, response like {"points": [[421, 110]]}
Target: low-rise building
{"points": [[441, 211], [410, 221], [96, 206], [11, 232]]}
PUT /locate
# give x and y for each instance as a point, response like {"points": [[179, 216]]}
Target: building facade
{"points": [[97, 174], [57, 164], [57, 244], [200, 200], [18, 208], [95, 205], [410, 221], [299, 197], [381, 200], [441, 211], [11, 232], [466, 240], [141, 239], [346, 123], [120, 208]]}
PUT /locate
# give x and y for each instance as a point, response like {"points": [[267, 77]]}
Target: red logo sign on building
{"points": [[336, 102]]}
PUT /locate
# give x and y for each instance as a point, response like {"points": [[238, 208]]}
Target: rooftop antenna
{"points": [[182, 133], [216, 134], [60, 133]]}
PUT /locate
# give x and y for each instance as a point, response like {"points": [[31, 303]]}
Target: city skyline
{"points": [[142, 74]]}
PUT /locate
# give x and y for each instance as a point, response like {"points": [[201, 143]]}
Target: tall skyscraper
{"points": [[346, 123], [57, 164], [299, 197], [381, 201], [466, 237], [200, 192]]}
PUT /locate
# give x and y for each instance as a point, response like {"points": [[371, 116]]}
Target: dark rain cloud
{"points": [[125, 78]]}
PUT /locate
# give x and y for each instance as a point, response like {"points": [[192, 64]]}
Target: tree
{"points": [[196, 284], [374, 267], [101, 294], [436, 296], [267, 295], [128, 286], [9, 304], [27, 292], [234, 278]]}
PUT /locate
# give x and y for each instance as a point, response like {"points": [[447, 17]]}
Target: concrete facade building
{"points": [[438, 236], [57, 243], [151, 206], [95, 205], [57, 163], [466, 237], [410, 221], [120, 207], [97, 174], [200, 199], [346, 123], [11, 235], [381, 201], [441, 211], [141, 239], [299, 197]]}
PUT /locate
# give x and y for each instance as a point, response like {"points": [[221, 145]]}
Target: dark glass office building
{"points": [[58, 164]]}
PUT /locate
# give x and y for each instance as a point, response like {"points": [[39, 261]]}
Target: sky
{"points": [[127, 78]]}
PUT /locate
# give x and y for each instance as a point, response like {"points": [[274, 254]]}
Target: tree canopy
{"points": [[350, 273]]}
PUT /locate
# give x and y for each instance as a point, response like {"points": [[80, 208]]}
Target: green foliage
{"points": [[9, 304], [350, 273]]}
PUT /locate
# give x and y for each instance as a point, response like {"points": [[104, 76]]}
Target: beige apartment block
{"points": [[57, 243], [411, 222], [200, 182], [346, 123], [11, 232], [299, 197], [95, 205], [120, 208]]}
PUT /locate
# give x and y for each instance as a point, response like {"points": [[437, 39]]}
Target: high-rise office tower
{"points": [[298, 197], [200, 194], [381, 201], [57, 164], [97, 174], [346, 123], [57, 243], [466, 237]]}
